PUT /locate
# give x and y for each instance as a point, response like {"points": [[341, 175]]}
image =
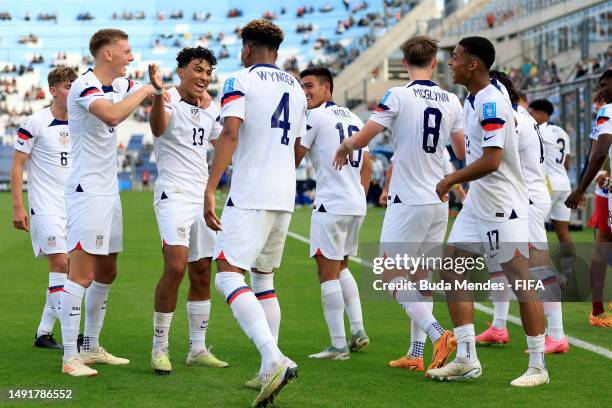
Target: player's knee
{"points": [[59, 265], [175, 269]]}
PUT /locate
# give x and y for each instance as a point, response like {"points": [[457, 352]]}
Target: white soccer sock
{"points": [[501, 301], [352, 303], [70, 316], [535, 346], [250, 316], [418, 336], [51, 309], [262, 285], [466, 344], [161, 331], [416, 308], [551, 296], [198, 313], [95, 310], [333, 310]]}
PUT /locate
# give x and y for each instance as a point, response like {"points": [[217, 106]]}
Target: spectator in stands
{"points": [[580, 70], [235, 12], [490, 20], [300, 12], [326, 8], [5, 15], [269, 15], [347, 4], [146, 176], [224, 52]]}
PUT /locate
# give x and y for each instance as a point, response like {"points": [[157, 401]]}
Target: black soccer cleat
{"points": [[47, 341]]}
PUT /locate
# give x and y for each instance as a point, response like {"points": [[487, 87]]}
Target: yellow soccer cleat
{"points": [[274, 383], [254, 383], [443, 349], [160, 362], [601, 320], [102, 356], [409, 363], [206, 359], [75, 367]]}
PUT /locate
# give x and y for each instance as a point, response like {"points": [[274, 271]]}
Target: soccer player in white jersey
{"points": [[494, 214], [338, 211], [557, 148], [263, 110], [533, 166], [602, 147], [184, 129], [415, 219], [98, 101], [43, 143]]}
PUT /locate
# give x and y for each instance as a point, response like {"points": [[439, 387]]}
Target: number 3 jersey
{"points": [[338, 192], [421, 117], [557, 148], [47, 141], [272, 106], [180, 152]]}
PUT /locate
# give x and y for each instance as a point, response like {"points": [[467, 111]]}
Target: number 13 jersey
{"points": [[421, 117], [272, 106]]}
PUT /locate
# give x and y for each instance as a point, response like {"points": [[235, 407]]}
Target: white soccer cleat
{"points": [[75, 367], [532, 378], [332, 353], [454, 371], [102, 356]]}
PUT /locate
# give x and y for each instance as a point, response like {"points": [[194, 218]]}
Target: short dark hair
{"points": [[419, 51], [321, 72], [481, 48], [188, 54], [505, 80], [542, 105], [61, 74], [104, 37], [605, 75], [262, 32]]}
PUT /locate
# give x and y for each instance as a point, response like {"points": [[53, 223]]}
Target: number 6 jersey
{"points": [[421, 117], [272, 106], [180, 152], [47, 141]]}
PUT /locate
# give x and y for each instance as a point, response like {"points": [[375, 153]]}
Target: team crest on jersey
{"points": [[489, 110], [180, 231], [195, 115], [99, 241], [51, 241], [64, 137]]}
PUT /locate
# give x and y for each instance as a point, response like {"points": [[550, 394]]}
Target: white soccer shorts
{"points": [[334, 236], [414, 229], [537, 231], [48, 234], [95, 223], [498, 241], [183, 224], [252, 238], [558, 209]]}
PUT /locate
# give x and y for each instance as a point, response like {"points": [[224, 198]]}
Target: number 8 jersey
{"points": [[272, 106], [421, 117]]}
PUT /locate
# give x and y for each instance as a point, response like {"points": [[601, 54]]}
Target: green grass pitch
{"points": [[578, 379]]}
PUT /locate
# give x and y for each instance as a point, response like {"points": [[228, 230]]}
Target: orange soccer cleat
{"points": [[601, 320], [443, 349], [409, 363]]}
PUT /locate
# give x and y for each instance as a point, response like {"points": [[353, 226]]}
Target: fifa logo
{"points": [[99, 241], [64, 138]]}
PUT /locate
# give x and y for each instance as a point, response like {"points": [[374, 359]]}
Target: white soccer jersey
{"points": [[421, 117], [532, 156], [47, 141], [489, 122], [272, 105], [603, 124], [94, 144], [448, 164], [180, 152], [557, 148], [338, 192]]}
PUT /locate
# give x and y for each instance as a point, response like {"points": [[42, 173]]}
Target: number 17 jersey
{"points": [[272, 106], [421, 117]]}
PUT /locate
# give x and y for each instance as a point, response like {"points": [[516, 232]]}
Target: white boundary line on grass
{"points": [[602, 351]]}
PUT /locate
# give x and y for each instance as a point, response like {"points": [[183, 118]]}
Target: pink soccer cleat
{"points": [[556, 346], [492, 336]]}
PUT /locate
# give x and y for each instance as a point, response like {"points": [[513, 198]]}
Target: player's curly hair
{"points": [[262, 32], [419, 51], [481, 48], [507, 83], [188, 54], [61, 74]]}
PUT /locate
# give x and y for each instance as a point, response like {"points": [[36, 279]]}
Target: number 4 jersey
{"points": [[338, 192], [272, 106], [47, 141], [180, 152], [421, 117]]}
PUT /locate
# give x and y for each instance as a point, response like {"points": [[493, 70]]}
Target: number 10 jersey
{"points": [[421, 117], [272, 106]]}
